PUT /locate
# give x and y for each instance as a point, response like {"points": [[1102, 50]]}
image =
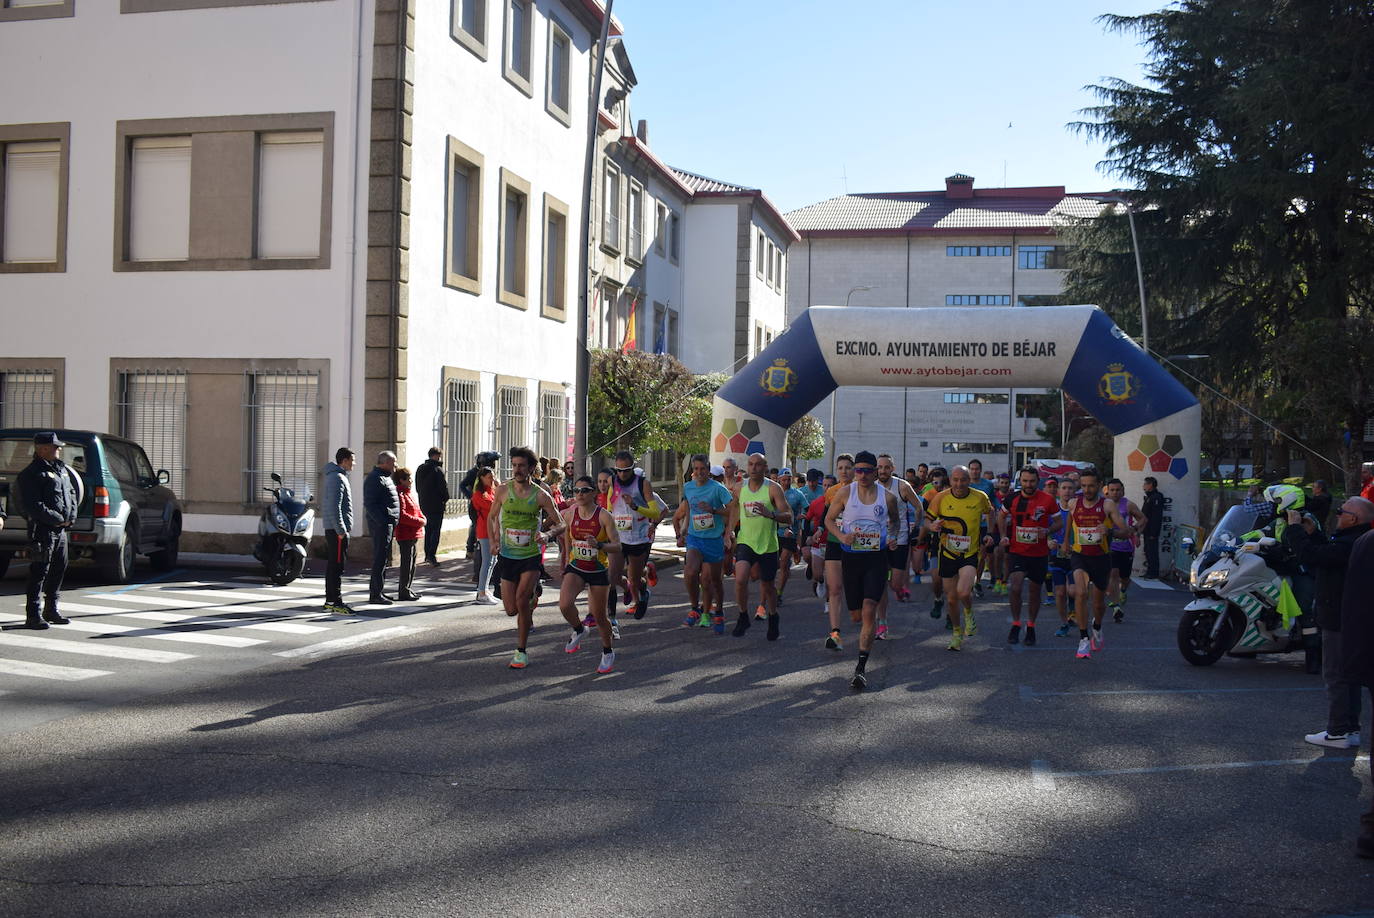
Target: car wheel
{"points": [[166, 559], [119, 564]]}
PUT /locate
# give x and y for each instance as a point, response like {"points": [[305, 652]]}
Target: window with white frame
{"points": [[610, 207], [152, 413], [634, 237], [459, 421], [513, 251], [769, 266], [33, 198], [674, 236], [283, 408], [555, 288], [511, 412], [160, 199], [558, 92], [519, 43], [463, 251], [778, 256], [660, 227], [553, 424], [762, 246], [469, 26], [289, 167], [28, 398]]}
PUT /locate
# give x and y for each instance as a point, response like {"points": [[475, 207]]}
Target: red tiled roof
{"points": [[1042, 208], [702, 186]]}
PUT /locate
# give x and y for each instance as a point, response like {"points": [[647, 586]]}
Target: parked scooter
{"points": [[1235, 609], [283, 534]]}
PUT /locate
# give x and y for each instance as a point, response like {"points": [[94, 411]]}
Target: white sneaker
{"points": [[1084, 649], [1097, 641], [574, 642], [484, 599], [1334, 740], [607, 663]]}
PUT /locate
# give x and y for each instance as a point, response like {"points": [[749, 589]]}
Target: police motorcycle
{"points": [[283, 534], [1237, 591]]}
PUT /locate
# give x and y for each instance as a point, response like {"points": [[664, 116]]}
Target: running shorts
{"points": [[833, 551], [712, 550], [512, 568], [768, 562], [1122, 562], [590, 578], [897, 557], [1034, 568], [1098, 568], [1059, 572], [787, 544], [865, 577], [949, 567], [636, 550]]}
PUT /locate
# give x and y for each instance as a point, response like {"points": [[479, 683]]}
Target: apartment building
{"points": [[247, 232], [960, 246]]}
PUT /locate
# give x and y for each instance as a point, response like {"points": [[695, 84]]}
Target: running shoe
{"points": [[970, 624], [574, 642], [520, 660], [881, 633], [642, 607], [1118, 614], [742, 625], [607, 663], [589, 621], [998, 586], [1064, 630], [1084, 649], [937, 608], [615, 629], [1014, 636], [956, 640], [718, 624], [820, 591], [773, 622], [693, 618], [833, 642], [625, 599], [1096, 633], [760, 613], [338, 608], [484, 599], [917, 580], [1030, 636], [705, 620], [978, 588], [859, 682], [904, 595], [651, 574]]}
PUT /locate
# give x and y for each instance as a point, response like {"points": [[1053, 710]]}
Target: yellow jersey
{"points": [[961, 541]]}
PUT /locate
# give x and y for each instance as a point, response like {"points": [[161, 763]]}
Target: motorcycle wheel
{"points": [[288, 567], [1195, 640]]}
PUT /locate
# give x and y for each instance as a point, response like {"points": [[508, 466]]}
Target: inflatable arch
{"points": [[1155, 420]]}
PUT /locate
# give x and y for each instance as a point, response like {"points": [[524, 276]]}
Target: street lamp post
{"points": [[835, 395], [1139, 272]]}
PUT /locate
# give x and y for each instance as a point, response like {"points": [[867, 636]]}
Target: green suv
{"points": [[128, 509]]}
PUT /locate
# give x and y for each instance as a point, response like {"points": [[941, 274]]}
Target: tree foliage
{"points": [[806, 439], [635, 401], [1249, 149]]}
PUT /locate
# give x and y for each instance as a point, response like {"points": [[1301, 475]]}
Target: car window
{"points": [[142, 466], [120, 466]]}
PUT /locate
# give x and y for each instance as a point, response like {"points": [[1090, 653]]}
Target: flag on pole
{"points": [[630, 342], [661, 335]]}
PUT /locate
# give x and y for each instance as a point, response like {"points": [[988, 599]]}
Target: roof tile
{"points": [[933, 210]]}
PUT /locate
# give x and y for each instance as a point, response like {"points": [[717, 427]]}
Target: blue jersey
{"points": [[987, 488], [703, 524], [797, 502]]}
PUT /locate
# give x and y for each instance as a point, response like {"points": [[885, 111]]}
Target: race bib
{"points": [[703, 521], [623, 521], [520, 537], [755, 508], [1025, 536], [957, 542], [584, 551], [867, 541], [1090, 535]]}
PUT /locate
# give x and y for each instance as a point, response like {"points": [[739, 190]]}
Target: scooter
{"points": [[1236, 593], [283, 534]]}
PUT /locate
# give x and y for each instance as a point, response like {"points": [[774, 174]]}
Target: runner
{"points": [[1123, 550], [635, 509], [834, 576], [979, 483], [1001, 490], [519, 508], [929, 542], [1029, 516], [730, 478], [700, 525], [791, 539], [958, 516], [871, 518], [1090, 518], [588, 536], [910, 509], [758, 506], [1060, 574]]}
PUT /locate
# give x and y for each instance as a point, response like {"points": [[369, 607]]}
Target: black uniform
{"points": [[51, 494], [431, 484]]}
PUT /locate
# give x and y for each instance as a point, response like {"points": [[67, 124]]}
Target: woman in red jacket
{"points": [[409, 527], [483, 496]]}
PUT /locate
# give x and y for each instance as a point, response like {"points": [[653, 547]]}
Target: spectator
{"points": [[1319, 504], [553, 479], [485, 459], [1357, 646], [408, 528], [50, 493], [336, 512], [569, 480], [431, 484], [1329, 559], [1153, 507], [383, 507], [483, 493], [1367, 481]]}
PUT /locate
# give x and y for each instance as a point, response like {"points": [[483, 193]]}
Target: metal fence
{"points": [[283, 408], [152, 412], [459, 421], [553, 425], [511, 413], [28, 398]]}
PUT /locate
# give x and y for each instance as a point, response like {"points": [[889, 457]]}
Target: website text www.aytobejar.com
{"points": [[945, 371]]}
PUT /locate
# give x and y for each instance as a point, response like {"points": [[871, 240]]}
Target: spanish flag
{"points": [[630, 343]]}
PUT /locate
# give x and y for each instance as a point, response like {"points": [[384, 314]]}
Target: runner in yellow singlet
{"points": [[957, 516]]}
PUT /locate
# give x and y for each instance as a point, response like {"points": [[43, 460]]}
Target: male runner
{"points": [[519, 508], [834, 576], [1001, 490], [929, 541], [960, 516], [1029, 516], [588, 536], [700, 525], [1092, 519], [871, 519], [979, 483], [1123, 550], [791, 545], [1060, 574], [758, 507], [635, 510], [910, 509]]}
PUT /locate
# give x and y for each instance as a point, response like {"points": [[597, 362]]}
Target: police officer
{"points": [[51, 493]]}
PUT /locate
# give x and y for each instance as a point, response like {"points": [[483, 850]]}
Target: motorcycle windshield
{"points": [[290, 504], [1230, 531]]}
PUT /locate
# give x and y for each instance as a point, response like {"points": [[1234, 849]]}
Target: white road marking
{"points": [[1152, 585], [283, 627], [142, 599], [1044, 779], [45, 671], [346, 643], [187, 637], [94, 650], [1027, 693]]}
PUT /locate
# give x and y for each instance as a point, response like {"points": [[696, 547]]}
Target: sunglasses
{"points": [[1342, 510], [624, 471], [864, 470], [583, 490]]}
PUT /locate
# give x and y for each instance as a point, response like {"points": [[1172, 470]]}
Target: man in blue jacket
{"points": [[337, 511], [50, 494], [382, 505]]}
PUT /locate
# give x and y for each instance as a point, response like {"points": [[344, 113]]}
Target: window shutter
{"points": [[284, 407], [154, 416], [32, 175], [160, 211], [27, 398], [290, 177]]}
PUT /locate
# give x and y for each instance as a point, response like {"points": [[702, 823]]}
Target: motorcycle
{"points": [[283, 534], [1235, 609]]}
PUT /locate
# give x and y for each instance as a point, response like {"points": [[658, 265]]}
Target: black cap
{"points": [[47, 438]]}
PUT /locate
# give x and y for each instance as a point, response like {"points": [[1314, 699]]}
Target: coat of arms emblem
{"points": [[1118, 385], [779, 379]]}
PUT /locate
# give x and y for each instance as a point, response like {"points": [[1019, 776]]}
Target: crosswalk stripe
{"points": [[220, 596], [344, 643], [188, 637], [282, 627], [47, 671], [141, 599], [95, 650]]}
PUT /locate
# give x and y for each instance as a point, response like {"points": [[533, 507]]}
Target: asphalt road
{"points": [[414, 774]]}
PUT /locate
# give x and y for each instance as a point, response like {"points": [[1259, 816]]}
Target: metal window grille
{"points": [[511, 411], [152, 413], [553, 425], [461, 415], [28, 398], [283, 407], [1369, 429]]}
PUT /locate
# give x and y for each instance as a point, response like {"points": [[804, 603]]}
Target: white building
{"points": [[957, 247], [248, 232]]}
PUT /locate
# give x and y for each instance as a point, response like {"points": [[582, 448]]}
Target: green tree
{"points": [[689, 430], [1249, 151], [634, 400], [805, 439]]}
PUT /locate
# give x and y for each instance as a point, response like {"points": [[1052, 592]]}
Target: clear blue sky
{"points": [[794, 96]]}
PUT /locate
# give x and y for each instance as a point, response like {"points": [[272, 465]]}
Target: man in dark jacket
{"points": [[1357, 645], [50, 494], [1153, 508], [382, 505], [484, 459], [1319, 504], [431, 487], [1329, 560]]}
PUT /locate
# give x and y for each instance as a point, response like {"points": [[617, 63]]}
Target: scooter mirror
{"points": [[1190, 546], [276, 478]]}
